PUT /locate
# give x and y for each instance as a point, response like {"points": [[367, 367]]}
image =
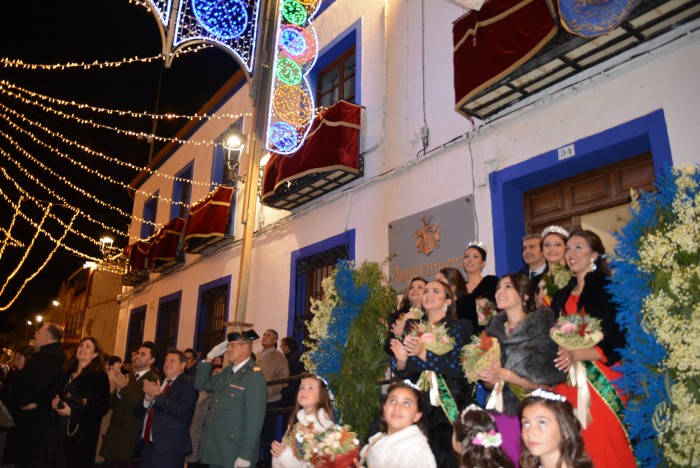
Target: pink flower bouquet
{"points": [[336, 447], [435, 338]]}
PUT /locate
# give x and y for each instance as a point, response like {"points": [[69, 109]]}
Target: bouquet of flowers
{"points": [[336, 447], [302, 440], [479, 354], [552, 281], [414, 313], [435, 338], [485, 309], [578, 331]]}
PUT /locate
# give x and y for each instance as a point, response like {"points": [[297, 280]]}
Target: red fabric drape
{"points": [[209, 217], [164, 245], [491, 43], [137, 253], [332, 143]]}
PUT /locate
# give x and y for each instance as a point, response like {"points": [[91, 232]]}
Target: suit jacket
{"points": [[172, 415], [235, 418], [536, 280], [124, 427]]}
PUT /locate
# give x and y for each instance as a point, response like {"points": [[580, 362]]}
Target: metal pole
{"points": [[260, 89]]}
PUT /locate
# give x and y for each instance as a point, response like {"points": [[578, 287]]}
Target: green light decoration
{"points": [[288, 72], [294, 12]]}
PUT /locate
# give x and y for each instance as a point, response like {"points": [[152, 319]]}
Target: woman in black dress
{"points": [[481, 290], [82, 401]]}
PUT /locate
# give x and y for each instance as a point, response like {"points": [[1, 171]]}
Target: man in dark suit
{"points": [[167, 410], [533, 258], [118, 446], [30, 397]]}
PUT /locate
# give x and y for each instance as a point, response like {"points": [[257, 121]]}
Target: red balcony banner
{"points": [[137, 253], [165, 242], [209, 217], [332, 143], [491, 43]]}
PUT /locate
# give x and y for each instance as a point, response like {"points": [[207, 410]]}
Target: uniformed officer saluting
{"points": [[234, 420]]}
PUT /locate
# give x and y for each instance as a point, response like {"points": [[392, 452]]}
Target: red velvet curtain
{"points": [[137, 253], [209, 217], [332, 143], [491, 43], [164, 246]]}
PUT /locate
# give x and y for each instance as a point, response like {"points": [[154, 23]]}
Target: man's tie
{"points": [[149, 416]]}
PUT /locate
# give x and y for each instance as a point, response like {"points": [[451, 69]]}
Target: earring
{"points": [[594, 267], [444, 309]]}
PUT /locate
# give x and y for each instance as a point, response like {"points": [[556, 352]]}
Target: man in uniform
{"points": [[234, 419]]}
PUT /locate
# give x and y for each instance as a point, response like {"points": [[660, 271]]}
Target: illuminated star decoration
{"points": [[229, 24], [291, 101]]}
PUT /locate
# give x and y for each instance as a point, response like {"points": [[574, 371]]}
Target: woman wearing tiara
{"points": [[557, 273], [605, 437], [438, 370]]}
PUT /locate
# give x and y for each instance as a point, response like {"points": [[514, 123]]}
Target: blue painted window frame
{"points": [[170, 297], [296, 291], [644, 134], [333, 50], [187, 172], [225, 280], [150, 211], [129, 331]]}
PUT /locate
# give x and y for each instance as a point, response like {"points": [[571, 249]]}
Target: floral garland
{"points": [[657, 284], [347, 333]]}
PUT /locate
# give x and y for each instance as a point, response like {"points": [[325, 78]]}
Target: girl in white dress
{"points": [[401, 443], [312, 411]]}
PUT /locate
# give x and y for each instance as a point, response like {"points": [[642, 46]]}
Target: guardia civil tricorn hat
{"points": [[240, 331]]}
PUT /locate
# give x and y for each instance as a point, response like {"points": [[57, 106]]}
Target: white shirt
{"points": [[287, 459], [404, 449]]}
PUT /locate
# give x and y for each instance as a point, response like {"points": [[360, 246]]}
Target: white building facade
{"points": [[645, 101]]}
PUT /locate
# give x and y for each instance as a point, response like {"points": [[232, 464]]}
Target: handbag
{"points": [[73, 402]]}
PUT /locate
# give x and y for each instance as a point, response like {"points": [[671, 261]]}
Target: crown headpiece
{"points": [[555, 229], [544, 394], [412, 385], [328, 387], [475, 243]]}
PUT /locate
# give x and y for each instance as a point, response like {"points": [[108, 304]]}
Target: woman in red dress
{"points": [[605, 438]]}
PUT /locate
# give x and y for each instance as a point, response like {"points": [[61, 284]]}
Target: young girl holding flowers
{"points": [[551, 434], [401, 441], [477, 441], [312, 415], [430, 355]]}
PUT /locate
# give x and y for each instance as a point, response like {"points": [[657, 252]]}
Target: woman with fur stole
{"points": [[527, 354]]}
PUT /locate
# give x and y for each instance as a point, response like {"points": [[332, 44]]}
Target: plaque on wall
{"points": [[425, 242]]}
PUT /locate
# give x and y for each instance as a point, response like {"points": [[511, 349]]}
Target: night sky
{"points": [[58, 32]]}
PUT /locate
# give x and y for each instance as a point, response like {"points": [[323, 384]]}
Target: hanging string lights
{"points": [[291, 101]]}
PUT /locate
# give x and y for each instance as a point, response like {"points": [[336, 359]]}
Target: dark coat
{"points": [[72, 441], [466, 305], [124, 428], [596, 301], [289, 393], [528, 351], [536, 280], [172, 415], [234, 420]]}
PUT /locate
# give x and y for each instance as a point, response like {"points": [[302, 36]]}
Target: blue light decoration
{"points": [[229, 24], [226, 19], [291, 108]]}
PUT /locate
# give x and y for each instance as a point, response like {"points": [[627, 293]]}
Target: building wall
{"points": [[397, 182]]}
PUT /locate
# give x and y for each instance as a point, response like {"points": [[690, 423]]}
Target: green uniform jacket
{"points": [[235, 417], [124, 428]]}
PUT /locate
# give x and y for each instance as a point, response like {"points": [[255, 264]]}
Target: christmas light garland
{"points": [[9, 231], [120, 131], [16, 63]]}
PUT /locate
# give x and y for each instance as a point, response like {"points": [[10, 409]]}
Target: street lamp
{"points": [[233, 142], [39, 319], [55, 303], [106, 244]]}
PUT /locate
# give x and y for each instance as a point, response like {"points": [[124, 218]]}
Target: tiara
{"points": [[328, 387], [544, 394], [488, 439], [554, 229], [475, 243]]}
